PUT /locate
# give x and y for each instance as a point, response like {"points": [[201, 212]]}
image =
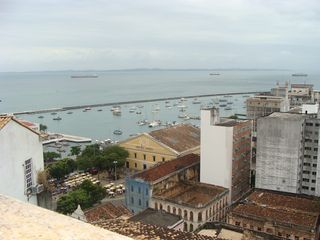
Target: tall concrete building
{"points": [[287, 153], [259, 106], [225, 152]]}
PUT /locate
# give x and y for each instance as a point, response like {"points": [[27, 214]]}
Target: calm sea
{"points": [[41, 90]]}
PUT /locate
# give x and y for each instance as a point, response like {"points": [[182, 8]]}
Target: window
{"points": [[131, 188], [127, 164], [28, 173], [147, 203], [135, 165], [313, 181], [315, 157], [200, 217], [144, 156], [237, 223], [135, 155], [315, 149], [185, 214], [168, 209], [306, 172], [139, 202], [305, 180], [156, 206], [313, 189], [174, 210], [144, 166], [314, 173], [305, 187], [139, 190], [307, 148], [259, 229], [161, 206], [163, 159], [252, 227], [132, 200], [191, 227], [191, 216], [147, 191], [269, 230], [154, 158], [179, 212], [306, 164]]}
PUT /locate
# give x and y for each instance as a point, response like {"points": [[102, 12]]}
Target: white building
{"points": [[225, 152], [21, 158]]}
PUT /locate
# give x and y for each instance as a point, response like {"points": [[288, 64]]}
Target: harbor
{"points": [[118, 121], [89, 106]]}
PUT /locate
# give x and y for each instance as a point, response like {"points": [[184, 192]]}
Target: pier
{"points": [[131, 102]]}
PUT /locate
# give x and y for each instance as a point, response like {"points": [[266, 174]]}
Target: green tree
{"points": [[66, 204], [43, 127], [75, 150], [86, 195], [50, 156], [62, 167]]}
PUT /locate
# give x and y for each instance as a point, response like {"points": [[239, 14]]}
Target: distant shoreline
{"points": [[157, 69]]}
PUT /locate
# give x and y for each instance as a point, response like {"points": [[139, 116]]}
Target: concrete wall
{"points": [[279, 153], [216, 152], [18, 144]]}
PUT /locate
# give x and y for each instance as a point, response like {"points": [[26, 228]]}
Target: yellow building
{"points": [[147, 149]]}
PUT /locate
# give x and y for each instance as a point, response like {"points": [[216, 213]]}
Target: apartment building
{"points": [[287, 153], [225, 152]]}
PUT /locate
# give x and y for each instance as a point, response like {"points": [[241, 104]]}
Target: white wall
{"points": [[310, 108], [216, 153], [18, 144]]}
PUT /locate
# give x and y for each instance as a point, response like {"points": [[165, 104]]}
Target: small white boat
{"points": [[138, 112], [228, 108], [115, 108], [117, 112], [87, 108], [154, 124], [57, 118], [69, 112], [196, 101], [41, 117], [142, 122], [117, 132], [182, 115]]}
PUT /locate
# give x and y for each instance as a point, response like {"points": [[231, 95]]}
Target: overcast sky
{"points": [[118, 34]]}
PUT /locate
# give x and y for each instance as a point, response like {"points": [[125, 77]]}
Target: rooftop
{"points": [[265, 97], [280, 208], [192, 194], [286, 115], [4, 120], [156, 217], [228, 122], [301, 85], [25, 221], [138, 230], [168, 167], [107, 211], [181, 137]]}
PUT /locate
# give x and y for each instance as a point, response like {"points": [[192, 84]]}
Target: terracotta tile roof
{"points": [[138, 230], [4, 120], [280, 208], [168, 167], [193, 194], [181, 137], [107, 211]]}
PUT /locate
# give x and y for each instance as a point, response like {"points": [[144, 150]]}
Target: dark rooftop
{"points": [[168, 167], [156, 217], [138, 230], [193, 194], [181, 137], [107, 211], [280, 208]]}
